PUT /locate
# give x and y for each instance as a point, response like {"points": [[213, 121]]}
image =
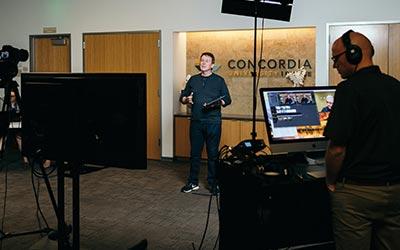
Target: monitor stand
{"points": [[315, 157]]}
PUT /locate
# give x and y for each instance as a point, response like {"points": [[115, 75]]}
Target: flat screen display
{"points": [[295, 118], [93, 118]]}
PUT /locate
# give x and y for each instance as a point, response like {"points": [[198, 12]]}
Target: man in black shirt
{"points": [[363, 168], [205, 123]]}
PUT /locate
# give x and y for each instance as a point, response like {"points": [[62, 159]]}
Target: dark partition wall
{"points": [[93, 118]]}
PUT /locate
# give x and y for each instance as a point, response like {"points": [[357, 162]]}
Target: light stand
{"points": [[271, 9], [254, 75]]}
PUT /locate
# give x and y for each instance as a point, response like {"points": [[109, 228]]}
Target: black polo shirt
{"points": [[365, 118]]}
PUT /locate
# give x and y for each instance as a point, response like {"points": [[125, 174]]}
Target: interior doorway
{"points": [[50, 53]]}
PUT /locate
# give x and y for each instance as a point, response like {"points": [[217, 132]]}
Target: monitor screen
{"points": [[94, 118], [296, 117]]}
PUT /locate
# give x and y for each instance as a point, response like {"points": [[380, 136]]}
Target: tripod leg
{"points": [[49, 189], [62, 235]]}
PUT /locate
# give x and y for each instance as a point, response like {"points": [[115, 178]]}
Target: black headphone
{"points": [[353, 52]]}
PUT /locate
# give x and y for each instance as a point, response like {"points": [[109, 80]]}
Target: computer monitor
{"points": [[296, 117], [93, 118]]}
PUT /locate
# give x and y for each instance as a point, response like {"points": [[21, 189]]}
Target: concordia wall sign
{"points": [[267, 67]]}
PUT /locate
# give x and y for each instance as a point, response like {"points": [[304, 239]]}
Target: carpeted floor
{"points": [[118, 208]]}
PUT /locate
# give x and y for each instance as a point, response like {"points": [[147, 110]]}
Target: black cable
{"points": [[208, 219], [36, 193], [39, 174], [223, 151], [7, 107], [4, 199], [41, 230], [218, 210], [38, 208]]}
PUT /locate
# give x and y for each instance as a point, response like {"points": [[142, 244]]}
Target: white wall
{"points": [[21, 18]]}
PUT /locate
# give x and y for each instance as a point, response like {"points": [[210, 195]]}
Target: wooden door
{"points": [[50, 53], [130, 53]]}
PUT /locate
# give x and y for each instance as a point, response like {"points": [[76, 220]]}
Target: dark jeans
{"points": [[200, 133]]}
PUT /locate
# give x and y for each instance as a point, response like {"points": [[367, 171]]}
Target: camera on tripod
{"points": [[10, 111], [9, 59]]}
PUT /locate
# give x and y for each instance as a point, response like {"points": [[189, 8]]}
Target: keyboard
{"points": [[317, 174]]}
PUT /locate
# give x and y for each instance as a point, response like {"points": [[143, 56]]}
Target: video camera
{"points": [[9, 59]]}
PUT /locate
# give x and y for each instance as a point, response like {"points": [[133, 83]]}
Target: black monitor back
{"points": [[94, 118]]}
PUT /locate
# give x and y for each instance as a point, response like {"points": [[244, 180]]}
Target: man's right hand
{"points": [[189, 98]]}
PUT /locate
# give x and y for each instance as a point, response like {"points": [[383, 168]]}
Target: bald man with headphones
{"points": [[362, 158]]}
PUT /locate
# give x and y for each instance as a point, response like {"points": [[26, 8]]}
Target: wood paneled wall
{"points": [[282, 50]]}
